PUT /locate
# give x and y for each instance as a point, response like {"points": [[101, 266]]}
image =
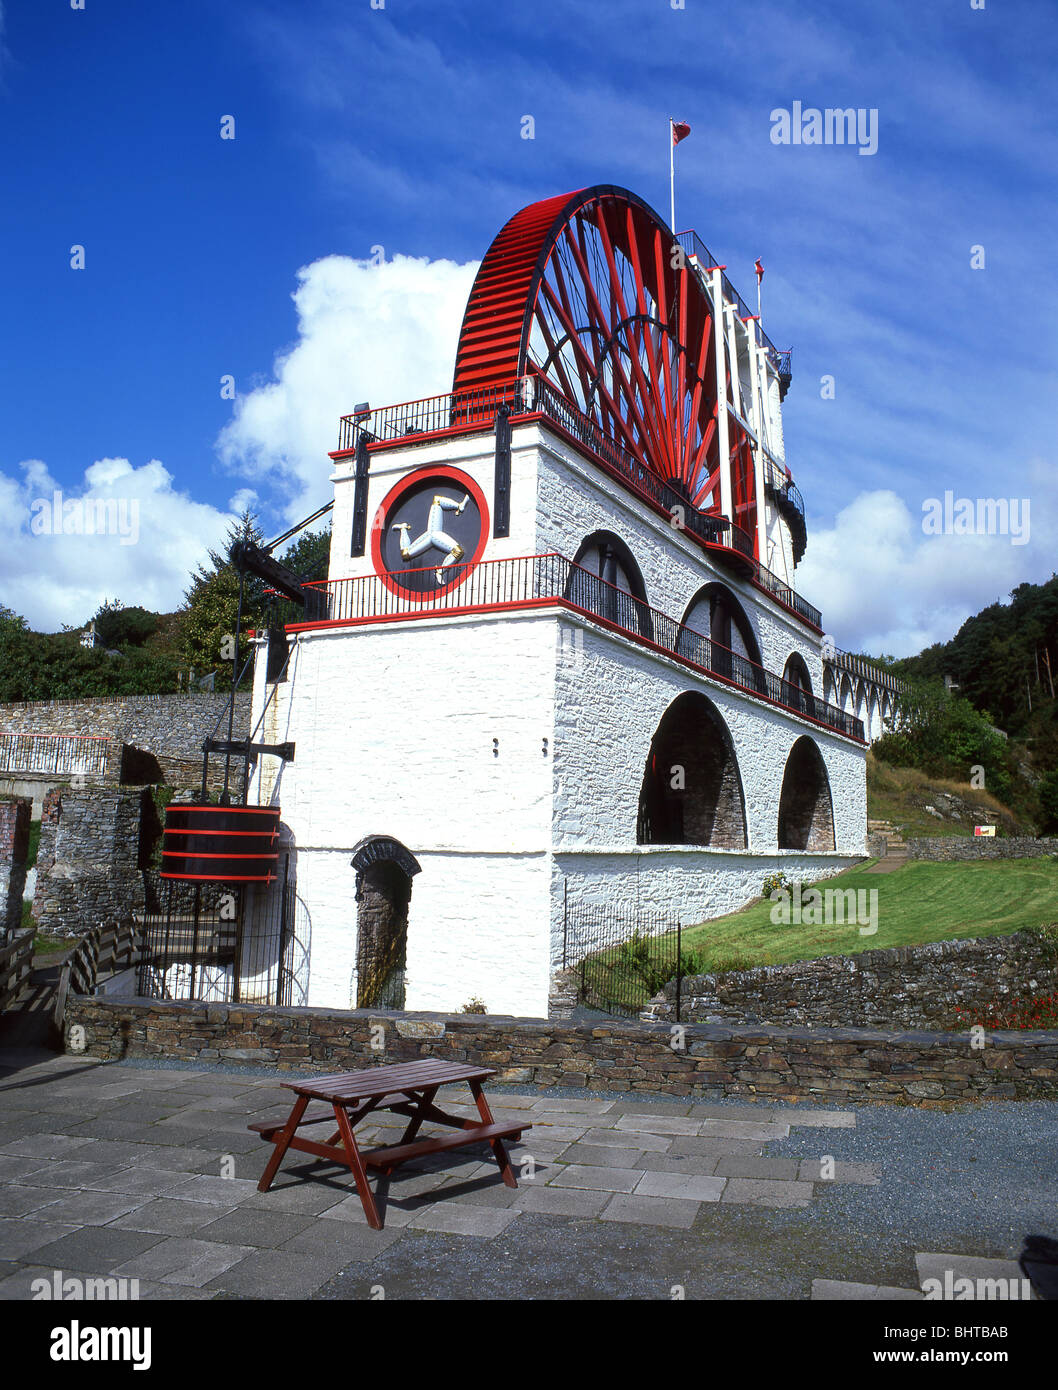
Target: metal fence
{"points": [[624, 958], [59, 754], [216, 943]]}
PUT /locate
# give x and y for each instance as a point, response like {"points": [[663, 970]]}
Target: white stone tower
{"points": [[559, 658]]}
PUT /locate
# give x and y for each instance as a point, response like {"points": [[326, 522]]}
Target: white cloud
{"points": [[125, 532], [382, 333], [886, 586]]}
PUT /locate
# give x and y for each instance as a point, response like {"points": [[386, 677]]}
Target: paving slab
{"points": [[45, 1145], [91, 1208], [169, 1216], [463, 1220], [651, 1211], [847, 1291], [558, 1103], [649, 1143], [96, 1248], [597, 1179], [18, 1199], [714, 1147], [20, 1236], [743, 1129], [178, 1260], [224, 1192], [658, 1124], [17, 1286], [485, 1192], [311, 1198], [829, 1119], [748, 1166], [259, 1229], [19, 1169], [603, 1156], [680, 1186], [561, 1201], [931, 1265], [690, 1165], [275, 1274], [341, 1240], [768, 1193], [351, 1211]]}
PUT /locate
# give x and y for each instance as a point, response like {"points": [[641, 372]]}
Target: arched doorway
{"points": [[384, 871], [692, 792], [806, 814]]}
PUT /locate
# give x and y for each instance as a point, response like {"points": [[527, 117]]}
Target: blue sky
{"points": [[400, 127]]}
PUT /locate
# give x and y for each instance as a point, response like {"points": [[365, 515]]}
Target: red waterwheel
{"points": [[591, 291]]}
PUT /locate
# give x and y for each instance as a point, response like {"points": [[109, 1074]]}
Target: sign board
{"points": [[984, 830]]}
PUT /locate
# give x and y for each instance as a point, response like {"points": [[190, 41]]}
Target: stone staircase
{"points": [[896, 852], [29, 1021]]}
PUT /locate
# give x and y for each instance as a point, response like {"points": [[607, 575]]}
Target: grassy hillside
{"points": [[918, 804]]}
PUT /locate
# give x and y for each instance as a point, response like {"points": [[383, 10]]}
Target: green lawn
{"points": [[917, 903]]}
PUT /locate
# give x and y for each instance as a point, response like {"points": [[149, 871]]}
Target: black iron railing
{"points": [[533, 397], [622, 960], [535, 580]]}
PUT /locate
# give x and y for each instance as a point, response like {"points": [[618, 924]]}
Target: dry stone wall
{"points": [[903, 987], [970, 847], [842, 1065]]}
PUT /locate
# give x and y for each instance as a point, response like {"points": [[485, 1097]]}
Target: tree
{"points": [[310, 555], [213, 605], [117, 626]]}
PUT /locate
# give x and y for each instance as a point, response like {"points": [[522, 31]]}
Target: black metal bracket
{"points": [[501, 504], [243, 748], [363, 464]]}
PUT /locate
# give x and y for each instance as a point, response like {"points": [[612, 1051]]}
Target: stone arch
{"points": [[715, 612], [873, 728], [384, 871], [609, 583], [848, 698], [862, 711], [829, 692], [806, 810], [797, 685], [692, 791]]}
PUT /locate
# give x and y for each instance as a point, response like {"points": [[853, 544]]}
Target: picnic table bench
{"points": [[407, 1089]]}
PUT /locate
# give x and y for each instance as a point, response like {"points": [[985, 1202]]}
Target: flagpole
{"points": [[672, 178]]}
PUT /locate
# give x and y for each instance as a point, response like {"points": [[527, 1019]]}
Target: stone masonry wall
{"points": [[89, 859], [841, 1065], [903, 987], [171, 725], [965, 847]]}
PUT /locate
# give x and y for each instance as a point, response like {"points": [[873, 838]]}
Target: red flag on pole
{"points": [[680, 131], [760, 271]]}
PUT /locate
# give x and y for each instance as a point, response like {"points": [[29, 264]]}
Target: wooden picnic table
{"points": [[408, 1089]]}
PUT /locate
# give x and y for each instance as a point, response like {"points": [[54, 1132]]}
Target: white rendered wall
{"points": [[436, 733]]}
